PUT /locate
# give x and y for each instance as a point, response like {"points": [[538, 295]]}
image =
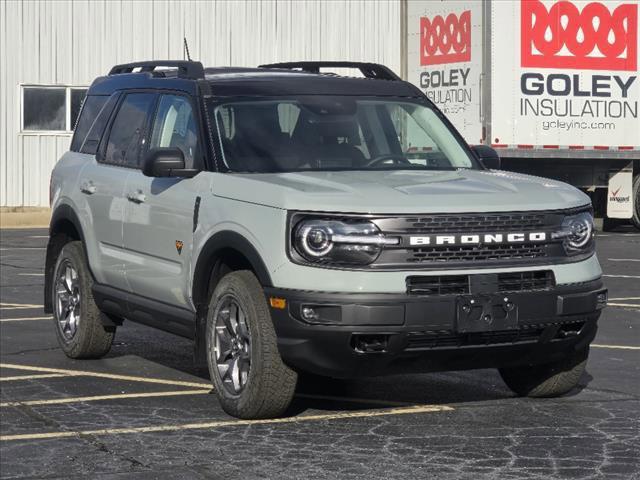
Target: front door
{"points": [[159, 215]]}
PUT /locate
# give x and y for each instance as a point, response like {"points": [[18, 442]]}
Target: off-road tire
{"points": [[636, 201], [92, 339], [270, 384], [548, 380]]}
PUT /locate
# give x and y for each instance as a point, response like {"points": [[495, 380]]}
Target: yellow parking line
{"points": [[33, 377], [623, 305], [96, 398], [105, 375], [25, 319], [626, 298], [619, 347], [416, 409], [19, 306]]}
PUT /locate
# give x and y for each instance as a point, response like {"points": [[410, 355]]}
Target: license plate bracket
{"points": [[486, 313]]}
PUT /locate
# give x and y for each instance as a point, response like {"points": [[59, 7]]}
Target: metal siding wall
{"points": [[72, 42]]}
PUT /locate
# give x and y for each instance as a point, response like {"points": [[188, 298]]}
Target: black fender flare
{"points": [[223, 240], [63, 213]]}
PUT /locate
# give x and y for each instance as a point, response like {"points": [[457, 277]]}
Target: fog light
{"points": [[309, 314], [601, 300]]}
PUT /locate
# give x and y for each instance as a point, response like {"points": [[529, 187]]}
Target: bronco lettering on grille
{"points": [[565, 37], [478, 239]]}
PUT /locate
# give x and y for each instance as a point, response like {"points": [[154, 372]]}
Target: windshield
{"points": [[335, 133]]}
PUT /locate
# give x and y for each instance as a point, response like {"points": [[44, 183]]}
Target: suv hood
{"points": [[400, 191]]}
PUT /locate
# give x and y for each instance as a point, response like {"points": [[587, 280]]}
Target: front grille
{"points": [[525, 334], [475, 253], [461, 284], [472, 223], [442, 240]]}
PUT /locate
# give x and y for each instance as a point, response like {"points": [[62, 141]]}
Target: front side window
{"points": [[336, 133], [128, 131], [175, 126]]}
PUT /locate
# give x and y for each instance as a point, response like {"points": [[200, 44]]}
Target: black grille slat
{"points": [[438, 285], [525, 281], [472, 223], [461, 285], [526, 333], [475, 253]]}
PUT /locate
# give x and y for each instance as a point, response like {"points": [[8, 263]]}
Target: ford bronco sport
{"points": [[289, 221]]}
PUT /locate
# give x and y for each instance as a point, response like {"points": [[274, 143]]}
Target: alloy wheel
{"points": [[67, 291], [232, 346]]}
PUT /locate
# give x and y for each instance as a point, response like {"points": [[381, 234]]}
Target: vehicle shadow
{"points": [[335, 395]]}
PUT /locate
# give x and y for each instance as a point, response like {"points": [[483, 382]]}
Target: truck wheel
{"points": [[248, 375], [78, 321], [636, 201], [548, 380]]}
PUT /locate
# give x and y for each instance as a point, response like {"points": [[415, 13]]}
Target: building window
{"points": [[51, 108]]}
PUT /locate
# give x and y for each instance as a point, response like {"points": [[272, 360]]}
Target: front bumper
{"points": [[372, 334]]}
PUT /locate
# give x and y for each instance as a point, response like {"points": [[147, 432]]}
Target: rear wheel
{"points": [[245, 366], [548, 380], [78, 321]]}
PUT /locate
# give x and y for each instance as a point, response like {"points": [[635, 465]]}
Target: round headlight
{"points": [[315, 239], [576, 232], [581, 230]]}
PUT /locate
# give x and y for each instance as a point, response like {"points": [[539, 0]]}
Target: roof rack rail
{"points": [[186, 69], [369, 70]]}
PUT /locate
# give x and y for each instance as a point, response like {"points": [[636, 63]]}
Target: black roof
{"points": [[270, 80]]}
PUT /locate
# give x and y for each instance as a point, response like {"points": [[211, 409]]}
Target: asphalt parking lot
{"points": [[145, 411]]}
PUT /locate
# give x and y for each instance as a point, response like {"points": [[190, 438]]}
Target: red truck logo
{"points": [[565, 37], [445, 40]]}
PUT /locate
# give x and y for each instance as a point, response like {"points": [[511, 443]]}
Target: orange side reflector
{"points": [[279, 303]]}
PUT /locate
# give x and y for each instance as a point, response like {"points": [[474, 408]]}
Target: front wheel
{"points": [[547, 380], [78, 321], [249, 376]]}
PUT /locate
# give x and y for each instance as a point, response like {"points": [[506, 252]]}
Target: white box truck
{"points": [[552, 85]]}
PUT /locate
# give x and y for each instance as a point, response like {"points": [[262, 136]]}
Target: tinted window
{"points": [[77, 97], [44, 109], [175, 126], [96, 129], [128, 131], [90, 110]]}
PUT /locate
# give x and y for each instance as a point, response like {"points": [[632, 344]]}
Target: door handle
{"points": [[88, 187], [136, 197]]}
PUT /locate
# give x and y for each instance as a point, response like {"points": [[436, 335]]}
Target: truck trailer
{"points": [[552, 85]]}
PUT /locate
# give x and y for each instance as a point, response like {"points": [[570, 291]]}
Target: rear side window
{"points": [[129, 130], [90, 110], [96, 129]]}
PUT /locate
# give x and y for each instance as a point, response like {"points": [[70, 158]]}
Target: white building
{"points": [[50, 52]]}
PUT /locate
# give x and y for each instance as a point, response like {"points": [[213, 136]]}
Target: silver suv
{"points": [[291, 221]]}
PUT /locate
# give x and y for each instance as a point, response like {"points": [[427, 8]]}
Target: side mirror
{"points": [[166, 162], [488, 156]]}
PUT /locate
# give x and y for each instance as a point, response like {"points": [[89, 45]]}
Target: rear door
{"points": [[160, 212]]}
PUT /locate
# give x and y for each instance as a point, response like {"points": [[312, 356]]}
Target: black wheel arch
{"points": [[223, 252], [64, 227]]}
